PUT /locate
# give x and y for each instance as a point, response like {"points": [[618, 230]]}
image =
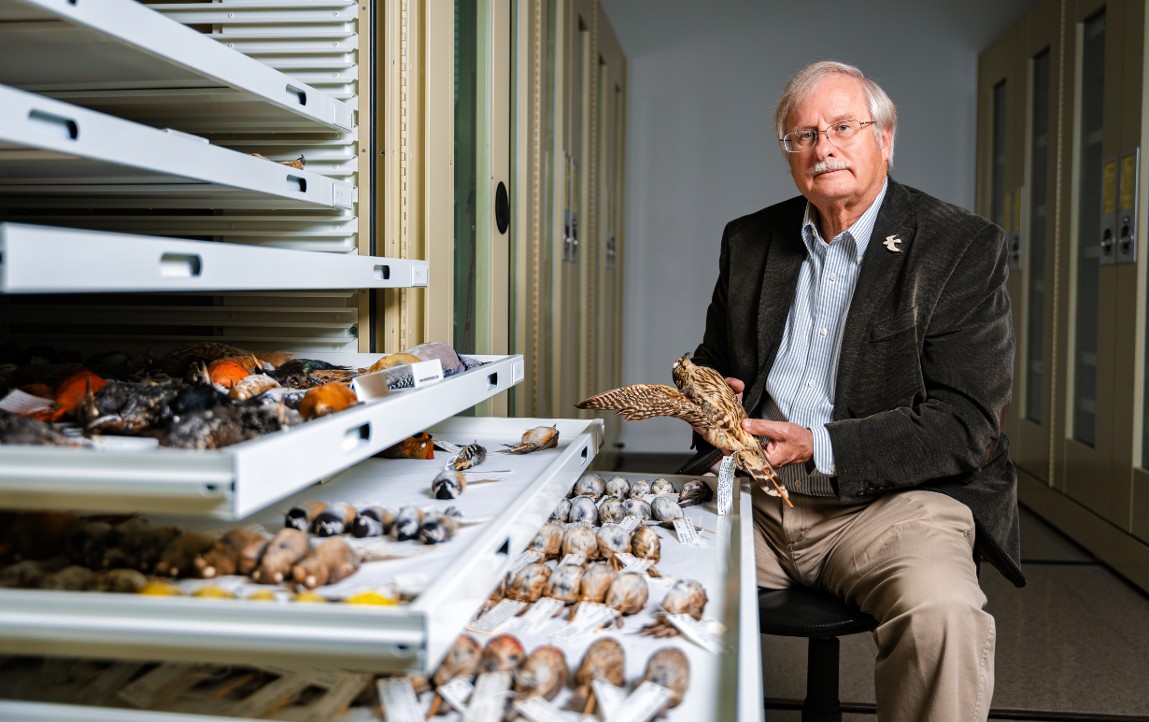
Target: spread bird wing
{"points": [[647, 401]]}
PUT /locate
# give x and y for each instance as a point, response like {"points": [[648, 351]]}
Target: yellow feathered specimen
{"points": [[704, 400]]}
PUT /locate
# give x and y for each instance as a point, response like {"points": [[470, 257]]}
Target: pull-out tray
{"points": [[126, 59], [236, 481], [44, 259], [725, 677], [450, 580], [52, 148]]}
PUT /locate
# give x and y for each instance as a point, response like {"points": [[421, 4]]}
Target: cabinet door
{"points": [[1035, 234], [574, 232], [607, 279], [1102, 130]]}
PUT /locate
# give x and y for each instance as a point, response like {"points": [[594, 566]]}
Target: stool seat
{"points": [[822, 618], [806, 612]]}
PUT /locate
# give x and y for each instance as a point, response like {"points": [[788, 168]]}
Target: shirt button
{"points": [[833, 277], [810, 384], [833, 468], [821, 332]]}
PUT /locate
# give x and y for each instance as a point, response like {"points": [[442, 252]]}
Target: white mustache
{"points": [[826, 166]]}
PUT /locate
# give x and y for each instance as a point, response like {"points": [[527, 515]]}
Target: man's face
{"points": [[849, 174]]}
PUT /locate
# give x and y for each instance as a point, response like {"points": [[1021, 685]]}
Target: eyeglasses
{"points": [[806, 138]]}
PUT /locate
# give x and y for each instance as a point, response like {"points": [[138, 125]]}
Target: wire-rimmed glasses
{"points": [[804, 139]]}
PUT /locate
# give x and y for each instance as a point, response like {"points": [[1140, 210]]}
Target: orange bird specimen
{"points": [[70, 392], [326, 399]]}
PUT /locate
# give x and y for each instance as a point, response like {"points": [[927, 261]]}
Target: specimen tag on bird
{"points": [[704, 400], [610, 698], [631, 563], [398, 697], [686, 532], [696, 632], [643, 704], [589, 617], [20, 402], [576, 559], [457, 692], [369, 387], [539, 613], [539, 709], [496, 616], [490, 697], [726, 486], [530, 556], [630, 522]]}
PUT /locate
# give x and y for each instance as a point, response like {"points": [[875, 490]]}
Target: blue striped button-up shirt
{"points": [[801, 382]]}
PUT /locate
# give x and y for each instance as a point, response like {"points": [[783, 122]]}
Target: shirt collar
{"points": [[859, 232]]}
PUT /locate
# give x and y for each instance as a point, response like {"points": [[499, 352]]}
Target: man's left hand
{"points": [[786, 443]]}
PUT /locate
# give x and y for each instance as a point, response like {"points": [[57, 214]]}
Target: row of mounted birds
{"points": [[199, 396]]}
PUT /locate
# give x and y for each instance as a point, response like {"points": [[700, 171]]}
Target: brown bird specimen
{"points": [[236, 552], [462, 660], [502, 654], [694, 492], [606, 659], [178, 558], [564, 583], [540, 437], [685, 597], [669, 668], [595, 582], [529, 583], [548, 540], [286, 548], [645, 544], [580, 539], [327, 399], [628, 594], [613, 540], [704, 400], [331, 561], [543, 674]]}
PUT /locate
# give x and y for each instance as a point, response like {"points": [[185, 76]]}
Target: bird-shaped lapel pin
{"points": [[892, 244], [704, 400]]}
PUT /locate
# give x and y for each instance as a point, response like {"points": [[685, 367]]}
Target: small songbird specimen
{"points": [[685, 597], [462, 660], [645, 544], [502, 654], [604, 659], [543, 674], [589, 484], [628, 594], [704, 400], [693, 492], [548, 539], [327, 399], [540, 437], [669, 668], [564, 583], [611, 510], [583, 510], [662, 487], [529, 583], [580, 539], [595, 583], [618, 486]]}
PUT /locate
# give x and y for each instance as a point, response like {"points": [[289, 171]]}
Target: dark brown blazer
{"points": [[926, 366]]}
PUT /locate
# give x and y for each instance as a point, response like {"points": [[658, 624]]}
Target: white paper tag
{"points": [[399, 701], [490, 697], [497, 616], [693, 630], [530, 556], [631, 563], [726, 486], [588, 617], [630, 522], [457, 692], [609, 697], [19, 402], [684, 528], [578, 560], [427, 372], [643, 704], [538, 709], [539, 614]]}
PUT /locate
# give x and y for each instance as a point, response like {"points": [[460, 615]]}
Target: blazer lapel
{"points": [[889, 246], [785, 254]]}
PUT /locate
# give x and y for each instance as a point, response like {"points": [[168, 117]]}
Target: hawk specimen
{"points": [[704, 400]]}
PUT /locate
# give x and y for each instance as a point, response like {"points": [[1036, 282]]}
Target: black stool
{"points": [[822, 618]]}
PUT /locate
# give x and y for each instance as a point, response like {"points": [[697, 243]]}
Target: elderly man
{"points": [[867, 327]]}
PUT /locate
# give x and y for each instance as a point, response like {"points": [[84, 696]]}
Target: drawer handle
{"points": [[56, 126], [493, 381], [296, 183], [181, 265], [356, 436], [383, 271], [299, 93]]}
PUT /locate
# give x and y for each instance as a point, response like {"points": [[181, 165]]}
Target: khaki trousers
{"points": [[907, 559]]}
